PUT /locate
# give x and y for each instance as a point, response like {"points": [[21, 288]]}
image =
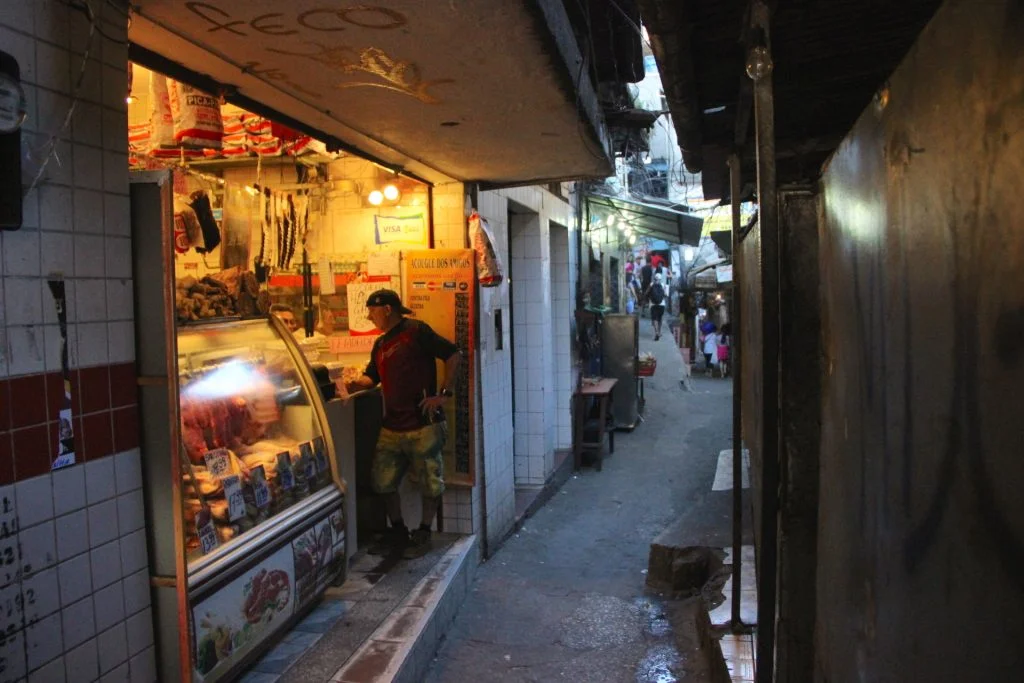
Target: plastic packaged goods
{"points": [[488, 263], [161, 120], [196, 116]]}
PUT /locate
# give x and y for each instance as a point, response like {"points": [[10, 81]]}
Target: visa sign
{"points": [[409, 229]]}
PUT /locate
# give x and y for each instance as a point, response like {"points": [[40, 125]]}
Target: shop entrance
{"points": [[255, 251]]}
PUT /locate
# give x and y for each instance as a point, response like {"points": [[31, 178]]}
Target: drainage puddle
{"points": [[662, 660]]}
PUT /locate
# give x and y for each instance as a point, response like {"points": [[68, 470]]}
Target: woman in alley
{"points": [[656, 295]]}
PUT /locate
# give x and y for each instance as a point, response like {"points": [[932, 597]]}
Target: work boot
{"points": [[419, 544], [392, 542]]}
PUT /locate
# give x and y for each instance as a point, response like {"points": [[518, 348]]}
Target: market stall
{"points": [[270, 245]]}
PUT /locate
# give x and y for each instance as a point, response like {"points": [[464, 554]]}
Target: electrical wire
{"points": [[51, 143], [85, 8]]}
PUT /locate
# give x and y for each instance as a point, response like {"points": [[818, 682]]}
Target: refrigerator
{"points": [[620, 347], [246, 522]]}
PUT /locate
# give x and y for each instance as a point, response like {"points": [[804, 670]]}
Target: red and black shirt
{"points": [[402, 361]]}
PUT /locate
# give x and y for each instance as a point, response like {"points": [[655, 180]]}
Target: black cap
{"points": [[387, 297]]}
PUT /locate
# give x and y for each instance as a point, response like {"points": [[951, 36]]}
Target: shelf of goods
{"points": [[247, 522]]}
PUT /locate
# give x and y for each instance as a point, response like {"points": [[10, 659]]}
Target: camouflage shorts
{"points": [[420, 449]]}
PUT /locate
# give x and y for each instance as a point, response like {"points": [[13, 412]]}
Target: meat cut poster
{"points": [[440, 289], [239, 616], [233, 621]]}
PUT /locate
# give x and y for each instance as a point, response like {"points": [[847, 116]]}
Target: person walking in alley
{"points": [[413, 430], [646, 277], [711, 348], [656, 295]]}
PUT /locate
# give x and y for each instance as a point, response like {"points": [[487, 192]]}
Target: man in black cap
{"points": [[413, 431]]}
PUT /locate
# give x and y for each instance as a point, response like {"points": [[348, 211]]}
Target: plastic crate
{"points": [[646, 369]]}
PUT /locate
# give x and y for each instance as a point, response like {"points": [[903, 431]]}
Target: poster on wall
{"points": [[65, 446], [232, 622], [357, 294], [400, 229], [440, 289]]}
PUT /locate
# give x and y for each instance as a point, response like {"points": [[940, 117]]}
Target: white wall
{"points": [[79, 553], [562, 284], [552, 376]]}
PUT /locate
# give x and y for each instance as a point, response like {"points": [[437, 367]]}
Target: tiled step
{"points": [[403, 645]]}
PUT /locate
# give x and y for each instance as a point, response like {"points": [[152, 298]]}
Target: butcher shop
{"points": [[271, 244]]}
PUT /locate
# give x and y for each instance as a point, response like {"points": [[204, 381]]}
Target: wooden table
{"points": [[601, 391]]}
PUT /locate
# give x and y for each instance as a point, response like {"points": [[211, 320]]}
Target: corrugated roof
{"points": [[830, 58]]}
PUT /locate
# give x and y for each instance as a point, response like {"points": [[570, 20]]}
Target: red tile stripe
{"points": [[104, 407]]}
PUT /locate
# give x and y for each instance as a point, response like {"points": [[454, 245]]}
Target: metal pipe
{"points": [[737, 425], [759, 67]]}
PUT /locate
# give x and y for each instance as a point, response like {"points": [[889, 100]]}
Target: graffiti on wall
{"points": [[373, 66]]}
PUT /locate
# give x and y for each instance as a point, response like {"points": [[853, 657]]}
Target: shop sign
{"points": [[358, 344], [384, 263], [404, 229], [440, 291]]}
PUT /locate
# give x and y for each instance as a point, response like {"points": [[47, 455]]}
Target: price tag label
{"points": [[284, 471], [320, 451], [233, 493], [308, 459], [204, 529], [218, 462], [260, 489]]}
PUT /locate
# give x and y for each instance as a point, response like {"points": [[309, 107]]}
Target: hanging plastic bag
{"points": [[488, 264], [187, 230], [161, 121], [196, 115]]}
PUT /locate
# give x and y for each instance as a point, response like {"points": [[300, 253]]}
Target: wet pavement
{"points": [[564, 599]]}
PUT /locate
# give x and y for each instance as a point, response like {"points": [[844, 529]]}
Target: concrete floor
{"points": [[564, 599]]}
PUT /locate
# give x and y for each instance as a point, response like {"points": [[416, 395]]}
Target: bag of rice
{"points": [[196, 116], [161, 122]]}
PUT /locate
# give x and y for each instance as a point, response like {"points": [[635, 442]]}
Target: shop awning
{"points": [[472, 90], [675, 227], [722, 240]]}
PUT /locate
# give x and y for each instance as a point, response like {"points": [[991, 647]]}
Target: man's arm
{"points": [[451, 369], [363, 382]]}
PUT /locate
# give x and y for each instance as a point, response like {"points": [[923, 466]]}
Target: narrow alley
{"points": [[564, 598]]}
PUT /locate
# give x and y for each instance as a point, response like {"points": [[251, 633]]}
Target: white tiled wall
{"points": [[78, 564], [496, 382], [543, 424], [80, 572], [76, 220], [561, 327], [531, 337]]}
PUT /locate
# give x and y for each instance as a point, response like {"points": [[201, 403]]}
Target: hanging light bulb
{"points": [[375, 197], [632, 239], [610, 220], [391, 193]]}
